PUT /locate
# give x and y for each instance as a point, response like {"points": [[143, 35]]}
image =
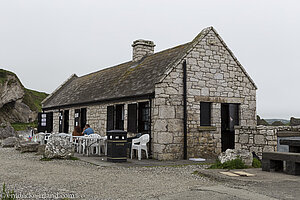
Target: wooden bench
{"points": [[274, 161]]}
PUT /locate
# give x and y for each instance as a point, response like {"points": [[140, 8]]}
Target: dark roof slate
{"points": [[124, 80]]}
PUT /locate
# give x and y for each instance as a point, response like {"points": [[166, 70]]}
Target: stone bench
{"points": [[274, 161]]}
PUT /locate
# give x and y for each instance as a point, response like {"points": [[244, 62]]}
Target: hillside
{"points": [[18, 104], [284, 121]]}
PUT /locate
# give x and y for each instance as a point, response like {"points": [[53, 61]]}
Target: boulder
{"points": [[41, 149], [11, 89], [9, 142], [28, 146], [231, 154], [58, 147], [6, 130]]}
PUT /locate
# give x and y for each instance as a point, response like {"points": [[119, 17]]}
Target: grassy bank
{"points": [[24, 126]]}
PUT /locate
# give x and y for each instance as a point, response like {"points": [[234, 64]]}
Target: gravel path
{"points": [[28, 175]]}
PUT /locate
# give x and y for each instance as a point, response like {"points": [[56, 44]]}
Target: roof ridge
{"points": [[59, 88], [137, 63]]}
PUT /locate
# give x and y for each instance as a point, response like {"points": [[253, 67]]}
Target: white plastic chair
{"points": [[143, 140], [93, 142]]}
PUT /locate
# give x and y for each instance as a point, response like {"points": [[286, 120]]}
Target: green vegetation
{"points": [[23, 126], [3, 75], [49, 159], [73, 158], [10, 195], [256, 163], [33, 99], [277, 123], [45, 159], [232, 164]]}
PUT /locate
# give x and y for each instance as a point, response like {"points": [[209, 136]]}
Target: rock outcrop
{"points": [[231, 154], [58, 147], [17, 104], [11, 89], [6, 131], [9, 142]]}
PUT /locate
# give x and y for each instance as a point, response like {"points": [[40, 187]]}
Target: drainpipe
{"points": [[150, 124], [184, 111]]}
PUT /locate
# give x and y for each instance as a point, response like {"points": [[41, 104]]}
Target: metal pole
{"points": [[184, 111]]}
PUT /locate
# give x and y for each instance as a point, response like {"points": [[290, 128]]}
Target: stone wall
{"points": [[213, 75], [259, 139], [256, 139]]}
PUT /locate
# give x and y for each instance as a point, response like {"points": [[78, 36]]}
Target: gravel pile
{"points": [[28, 175]]}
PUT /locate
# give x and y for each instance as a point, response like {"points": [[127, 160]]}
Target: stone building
{"points": [[188, 98]]}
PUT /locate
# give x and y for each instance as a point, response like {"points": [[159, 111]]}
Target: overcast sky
{"points": [[45, 41]]}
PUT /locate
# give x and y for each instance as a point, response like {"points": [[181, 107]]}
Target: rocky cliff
{"points": [[17, 104]]}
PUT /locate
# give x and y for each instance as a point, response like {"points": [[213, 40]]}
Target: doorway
{"points": [[229, 119], [66, 121], [144, 117]]}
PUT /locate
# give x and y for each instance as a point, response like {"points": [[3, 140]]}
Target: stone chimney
{"points": [[142, 48]]}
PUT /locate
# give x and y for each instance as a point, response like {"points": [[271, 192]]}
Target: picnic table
{"points": [[294, 145], [274, 161]]}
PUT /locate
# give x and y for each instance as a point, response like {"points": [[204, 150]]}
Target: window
{"points": [[205, 113], [60, 120], [144, 117], [77, 117]]}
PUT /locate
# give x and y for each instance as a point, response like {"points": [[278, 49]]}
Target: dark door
{"points": [[60, 121], [144, 117], [110, 118], [50, 122], [66, 121], [120, 117], [132, 118], [83, 117], [229, 119]]}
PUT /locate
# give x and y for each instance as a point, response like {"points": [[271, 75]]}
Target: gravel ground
{"points": [[28, 175]]}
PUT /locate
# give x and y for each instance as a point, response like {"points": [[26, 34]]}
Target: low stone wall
{"points": [[258, 139]]}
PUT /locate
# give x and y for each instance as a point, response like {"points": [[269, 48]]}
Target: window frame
{"points": [[204, 119]]}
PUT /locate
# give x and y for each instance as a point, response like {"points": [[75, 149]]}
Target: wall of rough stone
{"points": [[213, 75], [55, 122], [256, 139], [260, 139]]}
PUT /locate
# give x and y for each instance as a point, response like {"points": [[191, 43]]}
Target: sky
{"points": [[46, 41]]}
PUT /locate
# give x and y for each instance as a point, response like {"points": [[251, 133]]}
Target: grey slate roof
{"points": [[125, 80]]}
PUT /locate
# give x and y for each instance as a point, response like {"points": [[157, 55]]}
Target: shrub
{"points": [[231, 164], [256, 163], [10, 195]]}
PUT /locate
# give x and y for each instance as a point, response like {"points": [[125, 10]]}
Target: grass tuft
{"points": [[46, 159], [10, 195], [231, 164], [256, 163]]}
